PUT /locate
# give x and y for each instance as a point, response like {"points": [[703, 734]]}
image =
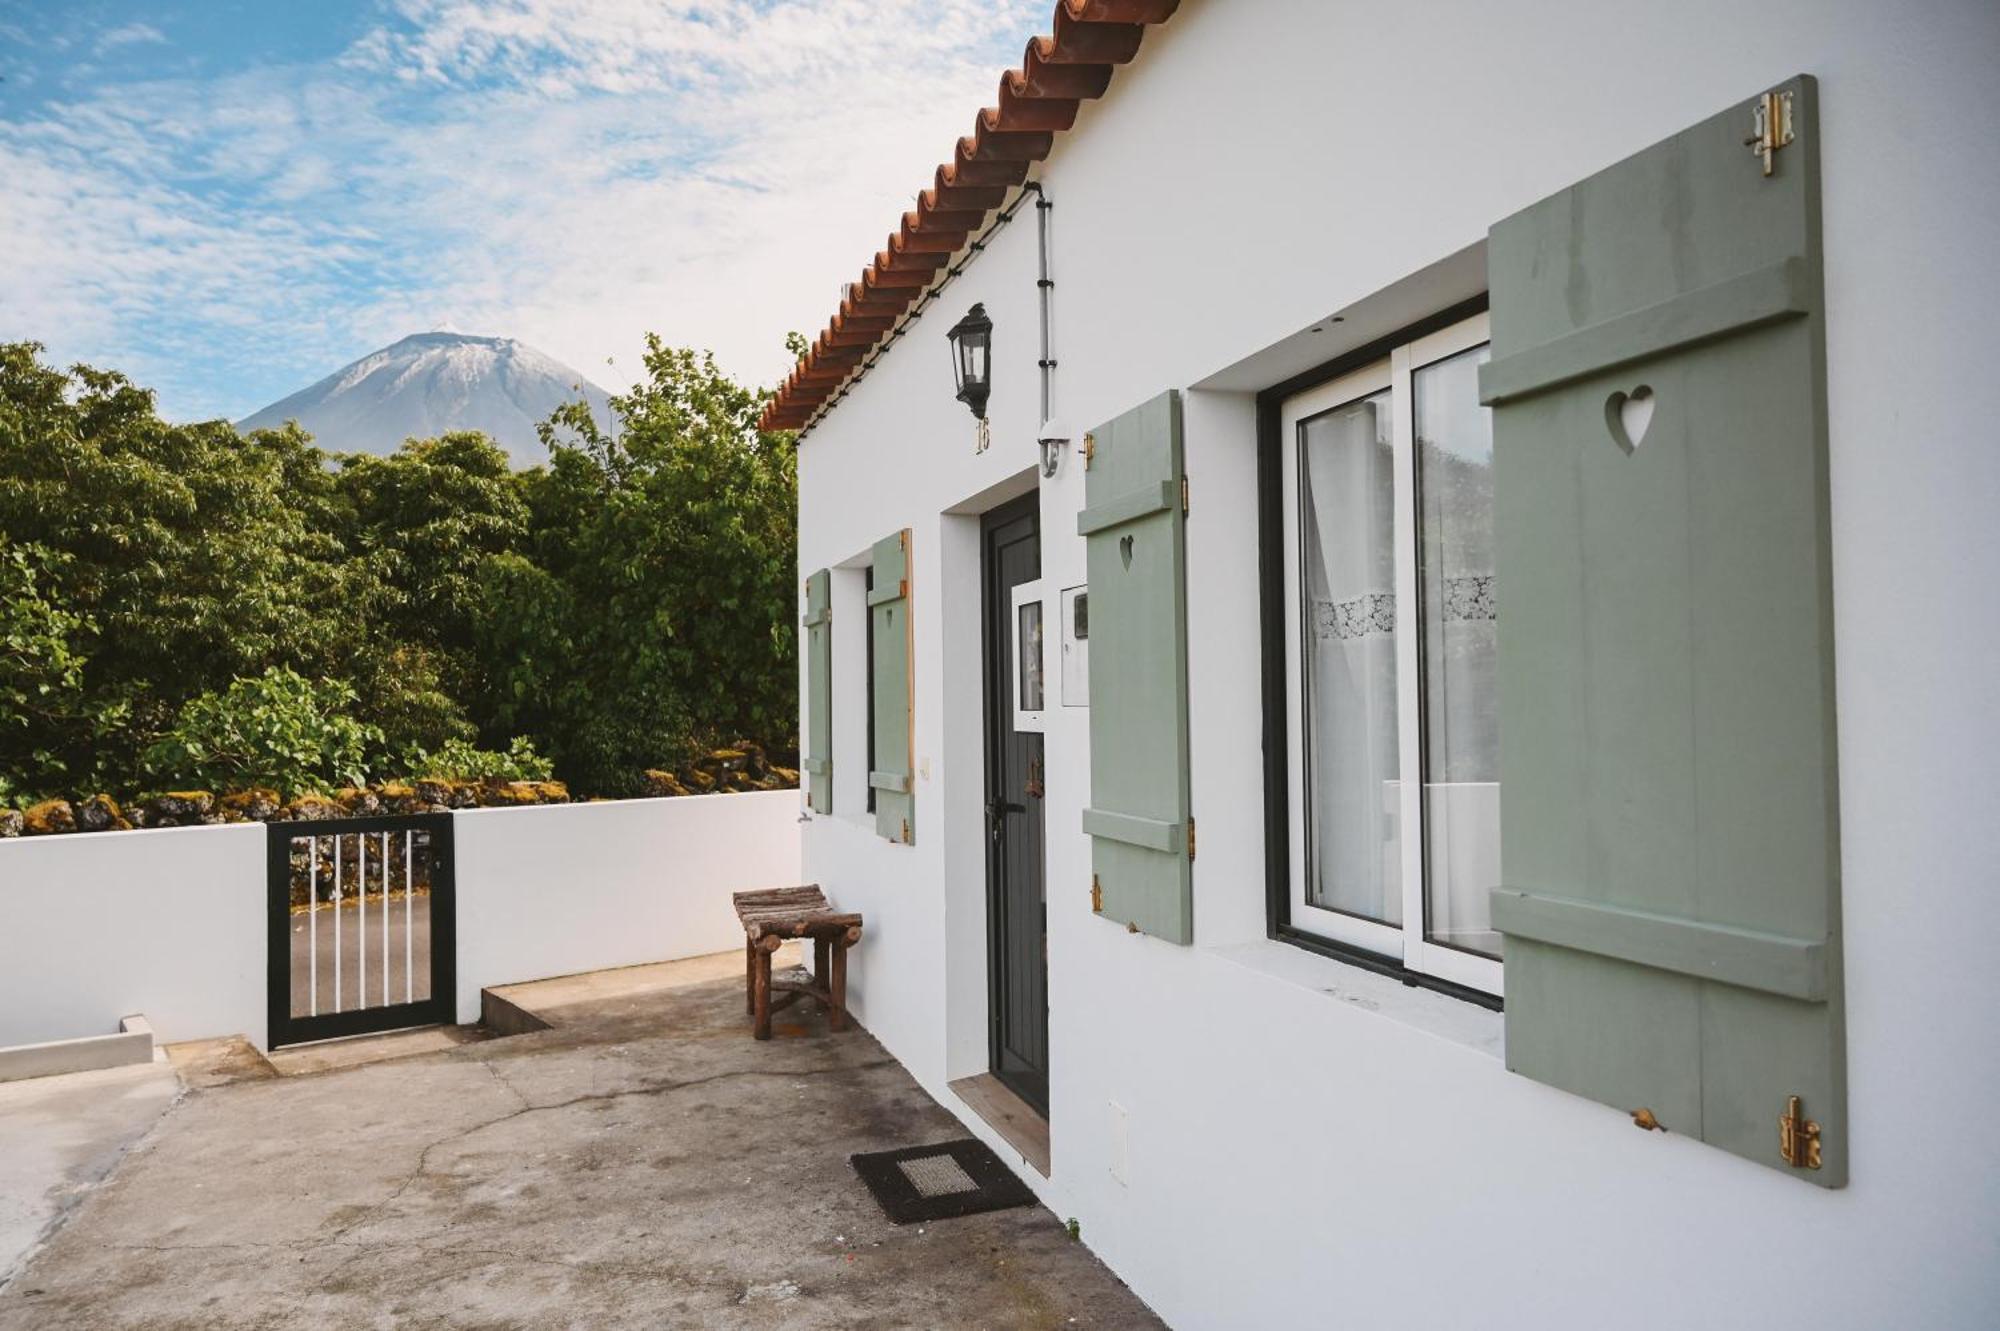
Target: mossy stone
{"points": [[49, 818]]}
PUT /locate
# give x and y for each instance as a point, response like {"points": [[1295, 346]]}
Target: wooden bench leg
{"points": [[760, 993], [836, 986], [750, 978]]}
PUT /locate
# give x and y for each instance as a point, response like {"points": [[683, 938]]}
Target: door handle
{"points": [[996, 816]]}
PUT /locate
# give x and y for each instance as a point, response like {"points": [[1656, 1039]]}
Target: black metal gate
{"points": [[362, 929]]}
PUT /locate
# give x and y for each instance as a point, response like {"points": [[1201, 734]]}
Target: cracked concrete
{"points": [[643, 1163], [60, 1135]]}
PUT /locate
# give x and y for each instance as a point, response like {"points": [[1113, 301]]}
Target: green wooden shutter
{"points": [[819, 692], [894, 776], [1671, 857], [1135, 539]]}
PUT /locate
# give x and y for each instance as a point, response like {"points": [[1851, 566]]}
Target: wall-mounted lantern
{"points": [[972, 359]]}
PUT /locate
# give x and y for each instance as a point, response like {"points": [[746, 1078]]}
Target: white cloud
{"points": [[129, 34], [571, 173], [633, 45], [134, 273]]}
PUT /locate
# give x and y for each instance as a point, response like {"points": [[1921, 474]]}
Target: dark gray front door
{"points": [[1017, 928]]}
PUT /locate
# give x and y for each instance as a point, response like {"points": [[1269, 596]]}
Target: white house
{"points": [[1430, 761]]}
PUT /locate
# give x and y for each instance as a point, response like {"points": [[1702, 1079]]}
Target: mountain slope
{"points": [[430, 383]]}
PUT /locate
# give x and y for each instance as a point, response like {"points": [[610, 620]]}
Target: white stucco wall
{"points": [[1308, 1143], [172, 922], [567, 888], [168, 922]]}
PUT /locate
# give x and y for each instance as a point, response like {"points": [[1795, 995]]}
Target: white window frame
{"points": [[1404, 943], [1031, 720]]}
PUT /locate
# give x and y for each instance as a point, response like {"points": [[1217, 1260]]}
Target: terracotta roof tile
{"points": [[1016, 112], [1034, 104]]}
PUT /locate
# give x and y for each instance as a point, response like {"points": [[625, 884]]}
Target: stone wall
{"points": [[742, 766]]}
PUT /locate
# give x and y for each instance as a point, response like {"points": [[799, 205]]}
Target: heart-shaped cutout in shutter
{"points": [[1125, 550], [1629, 416]]}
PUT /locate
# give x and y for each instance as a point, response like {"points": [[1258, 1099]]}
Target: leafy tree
{"points": [[668, 550], [41, 677], [177, 548], [277, 729], [40, 668], [459, 761], [425, 519], [401, 690], [182, 604]]}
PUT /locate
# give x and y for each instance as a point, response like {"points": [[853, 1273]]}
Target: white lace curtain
{"points": [[1347, 525]]}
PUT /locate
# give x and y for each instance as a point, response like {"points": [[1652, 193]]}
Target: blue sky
{"points": [[228, 200]]}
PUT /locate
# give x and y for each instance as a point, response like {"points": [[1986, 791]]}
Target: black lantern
{"points": [[972, 358]]}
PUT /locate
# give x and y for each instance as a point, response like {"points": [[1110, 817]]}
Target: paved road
{"points": [[360, 940]]}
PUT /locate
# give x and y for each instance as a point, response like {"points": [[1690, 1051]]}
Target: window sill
{"points": [[1407, 1002], [859, 823], [1362, 958]]}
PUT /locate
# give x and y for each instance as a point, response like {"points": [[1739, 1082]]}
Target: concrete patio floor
{"points": [[59, 1136], [642, 1163]]}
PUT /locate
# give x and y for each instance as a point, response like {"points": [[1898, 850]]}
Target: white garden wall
{"points": [[171, 923], [1309, 1144], [168, 922], [565, 888]]}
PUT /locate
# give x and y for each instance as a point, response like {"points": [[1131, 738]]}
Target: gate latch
{"points": [[1798, 1137], [1771, 126]]}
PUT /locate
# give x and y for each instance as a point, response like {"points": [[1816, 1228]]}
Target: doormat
{"points": [[919, 1183]]}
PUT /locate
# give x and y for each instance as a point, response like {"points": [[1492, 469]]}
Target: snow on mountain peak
{"points": [[427, 384]]}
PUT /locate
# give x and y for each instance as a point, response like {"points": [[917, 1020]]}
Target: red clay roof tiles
{"points": [[1034, 104]]}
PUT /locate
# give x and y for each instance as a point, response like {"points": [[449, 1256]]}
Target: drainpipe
{"points": [[1047, 287], [1051, 437]]}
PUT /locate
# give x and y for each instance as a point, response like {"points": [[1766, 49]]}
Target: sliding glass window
{"points": [[1395, 794]]}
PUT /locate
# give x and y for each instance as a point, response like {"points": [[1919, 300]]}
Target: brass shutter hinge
{"points": [[1770, 127], [906, 831], [1096, 896], [1798, 1136], [1089, 450], [1184, 496], [1190, 839]]}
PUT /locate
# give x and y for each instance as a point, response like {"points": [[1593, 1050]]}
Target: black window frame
{"points": [[1273, 610]]}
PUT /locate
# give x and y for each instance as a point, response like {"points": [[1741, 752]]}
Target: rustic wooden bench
{"points": [[771, 916]]}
